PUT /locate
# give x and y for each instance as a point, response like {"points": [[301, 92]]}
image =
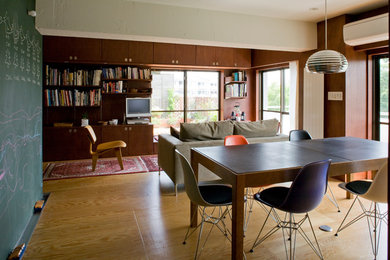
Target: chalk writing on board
{"points": [[15, 138], [22, 52]]}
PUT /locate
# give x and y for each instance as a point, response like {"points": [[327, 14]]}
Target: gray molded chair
{"points": [[304, 195], [298, 135], [217, 196], [376, 192]]}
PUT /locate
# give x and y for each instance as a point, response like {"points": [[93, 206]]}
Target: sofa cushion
{"points": [[205, 131], [175, 132], [257, 129]]}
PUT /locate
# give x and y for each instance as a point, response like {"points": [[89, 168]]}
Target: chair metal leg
{"points": [[333, 199], [346, 215]]}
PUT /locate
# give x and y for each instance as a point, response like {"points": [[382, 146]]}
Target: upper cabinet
{"points": [[174, 54], [242, 58], [71, 49], [214, 56], [118, 51]]}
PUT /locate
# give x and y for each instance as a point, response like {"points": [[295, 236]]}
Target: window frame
{"points": [[282, 111], [185, 94]]}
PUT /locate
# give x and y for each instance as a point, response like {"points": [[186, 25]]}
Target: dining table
{"points": [[261, 164]]}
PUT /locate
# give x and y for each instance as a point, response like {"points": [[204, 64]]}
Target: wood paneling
{"points": [[242, 58], [214, 56]]}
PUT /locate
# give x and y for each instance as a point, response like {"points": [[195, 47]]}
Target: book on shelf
{"points": [[68, 77], [235, 90]]}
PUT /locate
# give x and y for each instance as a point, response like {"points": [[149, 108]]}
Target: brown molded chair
{"points": [[103, 147]]}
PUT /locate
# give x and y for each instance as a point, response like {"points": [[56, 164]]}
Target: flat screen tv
{"points": [[137, 107]]}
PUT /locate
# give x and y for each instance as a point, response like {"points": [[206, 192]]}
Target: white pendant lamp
{"points": [[326, 61]]}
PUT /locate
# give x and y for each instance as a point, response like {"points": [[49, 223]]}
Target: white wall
{"points": [[121, 19], [313, 104]]}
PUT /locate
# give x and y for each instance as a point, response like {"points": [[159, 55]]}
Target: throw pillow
{"points": [[205, 131], [257, 129], [175, 132]]}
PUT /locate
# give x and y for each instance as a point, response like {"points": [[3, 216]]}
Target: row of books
{"points": [[126, 73], [68, 77], [235, 90], [236, 76], [113, 87], [67, 98]]}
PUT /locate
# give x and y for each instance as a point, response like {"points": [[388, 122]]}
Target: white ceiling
{"points": [[302, 10]]}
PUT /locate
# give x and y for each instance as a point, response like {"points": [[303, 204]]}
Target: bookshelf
{"points": [[236, 85], [71, 90]]}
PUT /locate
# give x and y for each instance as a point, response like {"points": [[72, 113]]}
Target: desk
{"points": [[260, 164]]}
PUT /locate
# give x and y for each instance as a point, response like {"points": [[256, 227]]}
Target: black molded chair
{"points": [[298, 135], [304, 195], [213, 195], [375, 191]]}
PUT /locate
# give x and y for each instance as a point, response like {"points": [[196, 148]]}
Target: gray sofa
{"points": [[209, 134]]}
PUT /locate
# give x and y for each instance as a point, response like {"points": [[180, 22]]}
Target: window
{"points": [[183, 96], [275, 97], [381, 98]]}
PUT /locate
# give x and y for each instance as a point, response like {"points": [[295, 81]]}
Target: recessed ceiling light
{"points": [[313, 9]]}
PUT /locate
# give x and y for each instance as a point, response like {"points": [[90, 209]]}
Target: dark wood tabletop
{"points": [[267, 163]]}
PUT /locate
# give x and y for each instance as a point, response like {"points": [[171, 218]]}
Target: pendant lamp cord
{"points": [[326, 26]]}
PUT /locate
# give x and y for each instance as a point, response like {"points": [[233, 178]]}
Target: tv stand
{"points": [[132, 121]]}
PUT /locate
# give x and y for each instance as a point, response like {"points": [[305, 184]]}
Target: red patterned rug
{"points": [[105, 166]]}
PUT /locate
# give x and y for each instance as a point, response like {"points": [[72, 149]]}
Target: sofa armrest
{"points": [[166, 154]]}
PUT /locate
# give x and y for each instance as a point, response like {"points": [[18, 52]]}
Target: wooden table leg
{"points": [[348, 178], [193, 206], [238, 218]]}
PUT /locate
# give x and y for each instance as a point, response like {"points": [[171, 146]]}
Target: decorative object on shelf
{"points": [[326, 61], [237, 111], [84, 119]]}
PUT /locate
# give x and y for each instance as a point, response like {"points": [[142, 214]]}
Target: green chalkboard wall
{"points": [[20, 120]]}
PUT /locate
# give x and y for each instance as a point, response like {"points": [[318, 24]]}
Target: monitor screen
{"points": [[138, 107]]}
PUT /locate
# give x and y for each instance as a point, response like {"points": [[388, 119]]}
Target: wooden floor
{"points": [[135, 216]]}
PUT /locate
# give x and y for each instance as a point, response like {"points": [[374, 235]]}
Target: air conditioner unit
{"points": [[373, 29]]}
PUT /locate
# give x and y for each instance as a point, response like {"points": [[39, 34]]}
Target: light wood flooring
{"points": [[135, 216]]}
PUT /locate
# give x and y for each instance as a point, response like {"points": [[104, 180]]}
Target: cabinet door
{"points": [[57, 143], [115, 51], [185, 54], [80, 143], [224, 56], [85, 49], [205, 56], [242, 58], [164, 53], [71, 49], [140, 52], [140, 139], [56, 49], [114, 133]]}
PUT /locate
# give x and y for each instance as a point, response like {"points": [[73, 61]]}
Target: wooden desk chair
{"points": [[103, 147]]}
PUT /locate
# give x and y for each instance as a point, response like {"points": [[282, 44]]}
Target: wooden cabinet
{"points": [[175, 54], [139, 138], [65, 143], [242, 58], [71, 49], [117, 51], [214, 56]]}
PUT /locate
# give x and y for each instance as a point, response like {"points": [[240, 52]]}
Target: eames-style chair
{"points": [[298, 135], [103, 147], [376, 192], [215, 197], [235, 140], [304, 195]]}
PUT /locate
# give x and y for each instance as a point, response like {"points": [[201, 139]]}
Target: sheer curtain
{"points": [[294, 113]]}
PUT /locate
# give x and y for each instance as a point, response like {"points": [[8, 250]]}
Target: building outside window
{"points": [[183, 96], [275, 97]]}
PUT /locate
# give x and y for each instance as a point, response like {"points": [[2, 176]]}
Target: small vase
{"points": [[84, 122]]}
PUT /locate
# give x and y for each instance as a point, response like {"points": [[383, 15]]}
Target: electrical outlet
{"points": [[335, 95]]}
